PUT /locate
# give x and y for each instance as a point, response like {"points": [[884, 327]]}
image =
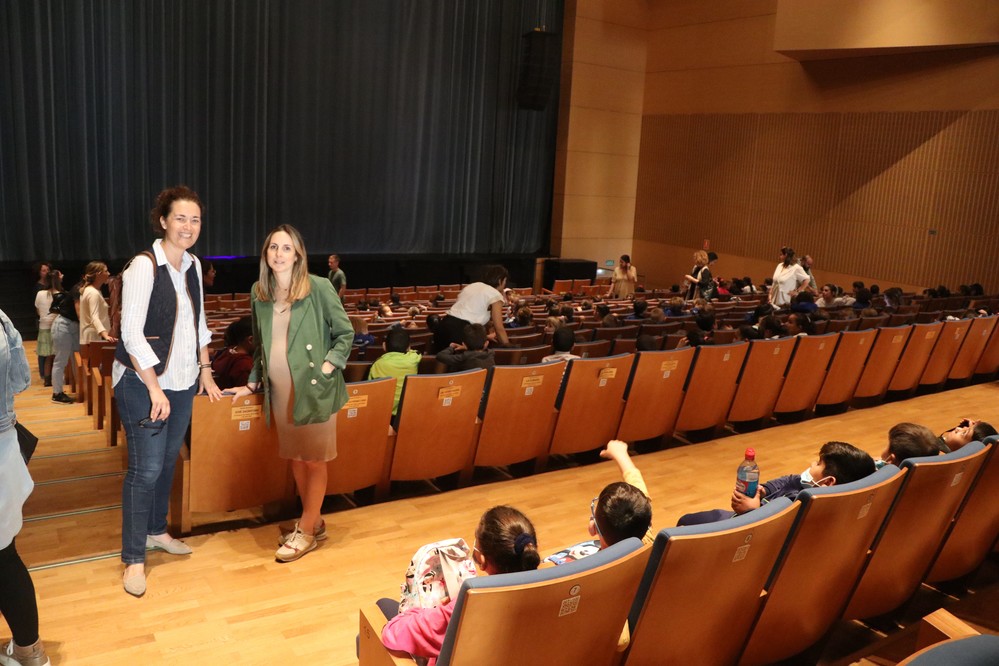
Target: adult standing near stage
{"points": [[789, 277], [303, 340], [478, 303], [624, 280], [160, 363], [18, 604], [337, 277], [95, 323]]}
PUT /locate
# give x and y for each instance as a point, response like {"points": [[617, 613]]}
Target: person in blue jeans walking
{"points": [[160, 363]]}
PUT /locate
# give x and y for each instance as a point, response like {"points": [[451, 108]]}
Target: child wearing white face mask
{"points": [[837, 463]]}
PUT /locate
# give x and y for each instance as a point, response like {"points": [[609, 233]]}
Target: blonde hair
{"points": [[701, 258], [90, 273], [300, 286]]}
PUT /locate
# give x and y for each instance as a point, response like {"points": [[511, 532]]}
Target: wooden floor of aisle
{"points": [[231, 602]]}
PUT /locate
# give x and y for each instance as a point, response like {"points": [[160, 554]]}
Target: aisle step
{"points": [[48, 466], [67, 497], [69, 538]]}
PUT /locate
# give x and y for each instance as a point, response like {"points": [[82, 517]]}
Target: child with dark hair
{"points": [[907, 440], [433, 320], [397, 361], [799, 323], [965, 432], [505, 542], [470, 353], [602, 310], [639, 306], [837, 463], [563, 340], [232, 365]]}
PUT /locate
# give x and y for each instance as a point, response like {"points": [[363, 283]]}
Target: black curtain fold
{"points": [[375, 126]]}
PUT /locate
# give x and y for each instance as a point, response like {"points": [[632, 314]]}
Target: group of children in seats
{"points": [[506, 542], [469, 354]]}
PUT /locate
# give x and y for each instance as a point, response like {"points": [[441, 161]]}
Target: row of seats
{"points": [[513, 414], [755, 589]]}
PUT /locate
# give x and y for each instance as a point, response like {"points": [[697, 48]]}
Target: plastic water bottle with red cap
{"points": [[747, 477]]}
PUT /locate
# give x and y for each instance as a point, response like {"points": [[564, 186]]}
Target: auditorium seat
{"points": [[727, 563], [881, 363], [362, 436], [356, 371], [438, 419], [569, 614], [612, 332], [823, 558], [976, 650], [976, 525], [944, 352], [711, 386], [518, 418], [915, 357], [845, 368], [988, 364], [761, 379], [654, 394], [525, 339], [930, 496], [592, 349], [101, 365], [590, 403], [623, 345], [972, 349]]}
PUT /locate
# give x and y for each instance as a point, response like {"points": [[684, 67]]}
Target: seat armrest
{"points": [[370, 650]]}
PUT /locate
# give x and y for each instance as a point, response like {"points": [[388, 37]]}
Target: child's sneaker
{"points": [[15, 655], [298, 544], [62, 399]]}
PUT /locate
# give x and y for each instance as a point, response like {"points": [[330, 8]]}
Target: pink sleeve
{"points": [[418, 631]]}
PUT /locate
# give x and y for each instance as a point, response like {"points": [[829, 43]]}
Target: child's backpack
{"points": [[435, 574], [114, 295]]}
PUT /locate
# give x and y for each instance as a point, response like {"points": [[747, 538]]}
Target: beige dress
{"points": [[312, 442]]}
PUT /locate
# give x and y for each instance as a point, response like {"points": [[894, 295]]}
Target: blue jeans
{"points": [[152, 455], [65, 341]]}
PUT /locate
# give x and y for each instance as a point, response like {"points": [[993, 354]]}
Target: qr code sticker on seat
{"points": [[569, 606]]}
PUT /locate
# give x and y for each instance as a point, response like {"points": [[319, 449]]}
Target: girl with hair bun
{"points": [[505, 542]]}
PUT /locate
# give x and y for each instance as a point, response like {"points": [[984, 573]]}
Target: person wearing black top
{"points": [[65, 339]]}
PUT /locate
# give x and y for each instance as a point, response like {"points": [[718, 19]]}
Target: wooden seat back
{"points": [[596, 349], [988, 364], [562, 286], [944, 352], [806, 373], [846, 367], [761, 379], [974, 531], [623, 345], [729, 562], [591, 403], [362, 437], [835, 527], [527, 339], [915, 357], [882, 361], [438, 415], [929, 499], [711, 386], [234, 461], [612, 332], [654, 394], [972, 349], [871, 322], [519, 395], [569, 614]]}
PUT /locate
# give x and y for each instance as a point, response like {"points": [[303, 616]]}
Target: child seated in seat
{"points": [[907, 440], [397, 361], [232, 365], [471, 353], [965, 432], [505, 542], [837, 463], [623, 509], [563, 340]]}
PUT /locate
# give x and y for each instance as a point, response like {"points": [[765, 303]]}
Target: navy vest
{"points": [[162, 314]]}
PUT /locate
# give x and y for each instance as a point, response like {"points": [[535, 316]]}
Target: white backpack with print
{"points": [[435, 574]]}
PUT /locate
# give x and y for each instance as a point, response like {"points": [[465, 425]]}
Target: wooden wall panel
{"points": [[909, 198]]}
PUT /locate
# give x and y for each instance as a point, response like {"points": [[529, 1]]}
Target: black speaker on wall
{"points": [[539, 69]]}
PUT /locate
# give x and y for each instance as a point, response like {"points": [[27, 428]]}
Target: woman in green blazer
{"points": [[303, 340]]}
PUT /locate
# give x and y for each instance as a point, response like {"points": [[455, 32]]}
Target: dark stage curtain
{"points": [[375, 126]]}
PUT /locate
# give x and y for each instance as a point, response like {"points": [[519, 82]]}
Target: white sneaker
{"points": [[298, 544]]}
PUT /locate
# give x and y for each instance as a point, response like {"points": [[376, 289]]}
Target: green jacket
{"points": [[319, 331]]}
